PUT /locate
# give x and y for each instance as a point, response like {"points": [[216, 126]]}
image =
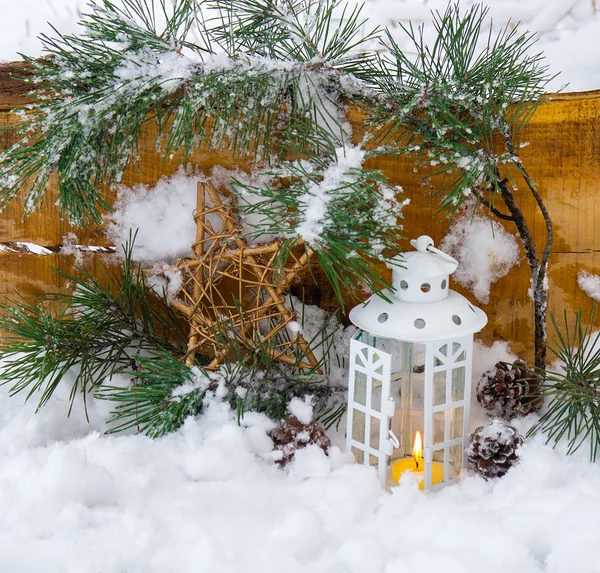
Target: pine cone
{"points": [[508, 391], [294, 435], [492, 449]]}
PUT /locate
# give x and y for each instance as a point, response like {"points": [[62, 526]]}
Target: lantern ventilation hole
{"points": [[383, 317], [472, 309], [444, 283], [419, 323], [425, 287], [366, 303], [403, 285], [456, 319]]}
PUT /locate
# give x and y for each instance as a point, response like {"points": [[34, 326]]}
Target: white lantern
{"points": [[410, 371]]}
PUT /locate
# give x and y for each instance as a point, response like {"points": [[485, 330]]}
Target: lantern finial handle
{"points": [[424, 244]]}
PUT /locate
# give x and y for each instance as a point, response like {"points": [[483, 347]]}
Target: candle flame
{"points": [[418, 449]]}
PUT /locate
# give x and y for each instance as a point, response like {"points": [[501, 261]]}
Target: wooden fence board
{"points": [[562, 157], [31, 275]]}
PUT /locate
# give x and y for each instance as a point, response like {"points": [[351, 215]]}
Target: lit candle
{"points": [[416, 465]]}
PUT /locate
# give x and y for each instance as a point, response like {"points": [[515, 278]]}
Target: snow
{"points": [[590, 284], [162, 216], [165, 280], [498, 431], [171, 67], [208, 498], [313, 205], [302, 409], [200, 381], [484, 250], [22, 22]]}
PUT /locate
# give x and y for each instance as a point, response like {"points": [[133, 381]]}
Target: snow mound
{"points": [[205, 499], [589, 284], [485, 252], [162, 216], [302, 409]]}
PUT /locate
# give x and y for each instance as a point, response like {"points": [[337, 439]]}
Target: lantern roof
{"points": [[420, 307]]}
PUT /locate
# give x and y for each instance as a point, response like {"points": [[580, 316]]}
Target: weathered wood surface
{"points": [[563, 157]]}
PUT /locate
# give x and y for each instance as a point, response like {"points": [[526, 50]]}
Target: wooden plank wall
{"points": [[562, 156]]}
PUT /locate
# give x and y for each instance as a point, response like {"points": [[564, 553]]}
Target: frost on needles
{"points": [[260, 79], [270, 82]]}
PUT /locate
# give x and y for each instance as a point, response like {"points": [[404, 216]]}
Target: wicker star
{"points": [[229, 283]]}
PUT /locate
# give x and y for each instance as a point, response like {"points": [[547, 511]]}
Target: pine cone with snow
{"points": [[507, 391], [492, 449], [293, 435]]}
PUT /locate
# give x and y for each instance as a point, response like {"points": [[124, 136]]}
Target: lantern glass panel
{"points": [[456, 459], [408, 390], [439, 427], [439, 388], [358, 426], [376, 395], [359, 455], [375, 424], [457, 416], [360, 388], [458, 383]]}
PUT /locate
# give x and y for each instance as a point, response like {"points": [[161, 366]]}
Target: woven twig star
{"points": [[229, 283]]}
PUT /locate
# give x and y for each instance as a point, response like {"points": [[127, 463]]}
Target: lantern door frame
{"points": [[458, 355], [375, 367]]}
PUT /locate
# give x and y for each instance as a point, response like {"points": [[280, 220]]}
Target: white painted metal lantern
{"points": [[410, 371]]}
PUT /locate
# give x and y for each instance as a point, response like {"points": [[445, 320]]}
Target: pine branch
{"points": [[448, 105], [491, 207], [102, 327], [345, 215], [266, 79], [96, 90], [256, 381], [455, 107], [164, 391], [323, 33], [573, 413]]}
